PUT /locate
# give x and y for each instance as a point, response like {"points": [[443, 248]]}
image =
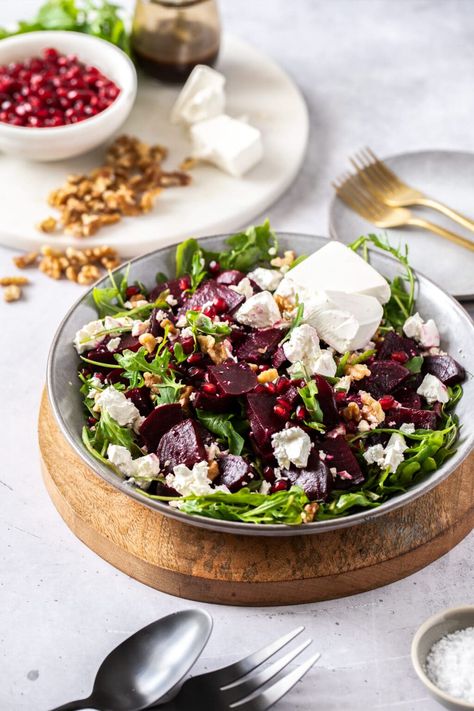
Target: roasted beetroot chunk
{"points": [[263, 421], [172, 286], [216, 402], [159, 421], [231, 277], [129, 343], [422, 419], [235, 472], [385, 376], [448, 370], [182, 444], [259, 345], [327, 401], [393, 343], [343, 459], [210, 290], [279, 357], [141, 399], [315, 478], [233, 378]]}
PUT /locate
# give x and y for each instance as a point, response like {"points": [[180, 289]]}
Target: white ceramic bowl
{"points": [[57, 143], [431, 631]]}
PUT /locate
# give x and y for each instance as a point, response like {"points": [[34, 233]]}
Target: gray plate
{"points": [[447, 176], [456, 328]]}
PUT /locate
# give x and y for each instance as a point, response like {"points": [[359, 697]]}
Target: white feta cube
{"points": [[120, 408], [433, 390], [266, 279], [259, 311], [244, 288], [190, 481], [291, 446], [202, 97], [89, 336], [234, 146], [426, 333], [113, 344]]}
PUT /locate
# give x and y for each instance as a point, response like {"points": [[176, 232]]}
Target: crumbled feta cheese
{"points": [[363, 426], [426, 333], [212, 451], [232, 145], [433, 390], [87, 337], [146, 467], [291, 446], [140, 327], [343, 384], [391, 456], [113, 344], [201, 97], [95, 386], [303, 351], [260, 311], [120, 408], [182, 321], [244, 288], [407, 428], [265, 487], [171, 300], [110, 322], [190, 481], [266, 279]]}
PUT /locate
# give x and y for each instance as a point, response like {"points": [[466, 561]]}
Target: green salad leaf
{"points": [[199, 323], [99, 18], [415, 364], [224, 428]]}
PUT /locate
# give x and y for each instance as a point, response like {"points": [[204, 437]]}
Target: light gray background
{"points": [[397, 75]]}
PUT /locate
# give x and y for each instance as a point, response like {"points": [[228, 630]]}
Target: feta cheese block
{"points": [[346, 322], [291, 446], [232, 145], [426, 333], [140, 469], [202, 97], [335, 267], [433, 390], [259, 311], [267, 279], [304, 353], [191, 481], [120, 408]]}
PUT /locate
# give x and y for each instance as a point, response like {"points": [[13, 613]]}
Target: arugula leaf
{"points": [[297, 321], [178, 352], [308, 395], [415, 364], [402, 300], [297, 261], [199, 323], [221, 425], [249, 248], [110, 300], [283, 507], [136, 363], [99, 18]]}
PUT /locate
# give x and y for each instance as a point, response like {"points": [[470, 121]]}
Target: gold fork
{"points": [[354, 193], [388, 187]]}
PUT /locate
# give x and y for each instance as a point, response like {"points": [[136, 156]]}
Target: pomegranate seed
{"points": [[209, 388], [220, 305], [283, 403], [263, 367], [194, 358], [279, 485], [260, 388], [184, 283], [386, 402], [132, 291], [340, 396], [91, 421], [400, 356], [282, 384], [51, 54], [210, 311], [187, 345], [269, 474], [301, 412], [214, 267], [299, 382], [270, 388], [196, 373], [282, 412]]}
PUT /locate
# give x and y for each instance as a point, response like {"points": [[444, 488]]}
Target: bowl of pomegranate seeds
{"points": [[61, 94]]}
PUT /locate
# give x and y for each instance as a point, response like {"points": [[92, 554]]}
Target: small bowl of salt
{"points": [[442, 653]]}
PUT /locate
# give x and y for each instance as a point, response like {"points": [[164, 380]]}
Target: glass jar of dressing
{"points": [[169, 37]]}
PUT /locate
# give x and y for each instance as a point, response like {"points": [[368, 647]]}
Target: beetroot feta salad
{"points": [[268, 388]]}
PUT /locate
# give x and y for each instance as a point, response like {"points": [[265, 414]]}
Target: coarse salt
{"points": [[450, 664]]}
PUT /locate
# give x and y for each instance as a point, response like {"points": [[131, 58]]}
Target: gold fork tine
{"points": [[383, 169]]}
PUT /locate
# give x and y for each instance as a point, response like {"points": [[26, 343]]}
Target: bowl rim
{"points": [[117, 103], [428, 624], [238, 527]]}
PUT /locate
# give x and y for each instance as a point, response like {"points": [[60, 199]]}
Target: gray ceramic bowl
{"points": [[431, 631], [457, 332]]}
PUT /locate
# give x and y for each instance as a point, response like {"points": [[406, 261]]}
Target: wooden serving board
{"points": [[198, 564]]}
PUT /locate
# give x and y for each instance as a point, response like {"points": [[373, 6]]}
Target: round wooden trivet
{"points": [[202, 565]]}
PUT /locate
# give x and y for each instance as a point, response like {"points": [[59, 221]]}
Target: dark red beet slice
{"points": [[209, 291], [279, 357], [259, 345], [393, 343], [141, 399], [101, 355], [448, 370], [385, 376], [172, 286], [130, 343], [231, 277], [263, 421], [235, 472], [155, 328], [158, 422], [327, 401], [406, 393], [315, 478], [213, 403], [422, 419], [343, 459], [182, 444], [233, 378]]}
